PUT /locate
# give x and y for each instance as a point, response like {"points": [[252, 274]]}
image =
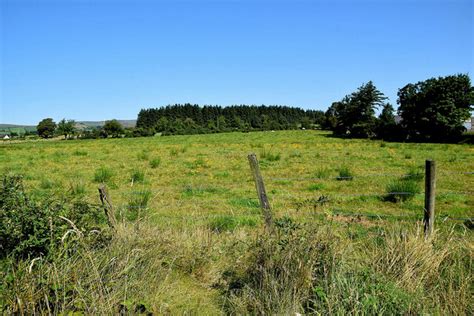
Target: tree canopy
{"points": [[435, 109], [193, 119], [354, 115], [66, 128], [113, 128], [46, 128]]}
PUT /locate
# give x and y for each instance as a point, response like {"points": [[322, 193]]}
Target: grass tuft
{"points": [[137, 176], [155, 162], [345, 174], [103, 174]]}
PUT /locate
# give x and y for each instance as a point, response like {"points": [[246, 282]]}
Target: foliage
{"points": [[31, 229], [113, 128], [435, 109], [355, 113], [192, 119], [281, 270], [46, 128], [66, 128], [387, 128]]}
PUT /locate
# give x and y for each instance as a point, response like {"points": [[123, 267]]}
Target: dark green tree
{"points": [[46, 128], [435, 109], [66, 128], [387, 128], [113, 128], [355, 113]]}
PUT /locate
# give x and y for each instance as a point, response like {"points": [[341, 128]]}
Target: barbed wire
{"points": [[360, 176], [193, 216]]}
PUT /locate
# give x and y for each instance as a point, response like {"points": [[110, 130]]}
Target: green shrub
{"points": [[155, 162], [345, 174], [103, 174], [32, 229]]}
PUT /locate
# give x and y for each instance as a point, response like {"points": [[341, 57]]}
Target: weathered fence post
{"points": [[107, 204], [262, 195], [430, 191]]}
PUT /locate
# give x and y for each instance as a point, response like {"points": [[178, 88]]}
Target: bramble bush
{"points": [[31, 229]]}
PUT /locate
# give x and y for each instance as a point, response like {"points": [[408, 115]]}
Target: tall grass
{"points": [[103, 174], [138, 204]]}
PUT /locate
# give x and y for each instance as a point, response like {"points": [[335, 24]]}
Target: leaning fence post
{"points": [[430, 191], [262, 195], [107, 204]]}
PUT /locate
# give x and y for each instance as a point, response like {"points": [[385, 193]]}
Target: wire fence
{"points": [[200, 199]]}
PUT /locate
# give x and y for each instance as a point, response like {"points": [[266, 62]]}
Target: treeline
{"points": [[188, 118], [430, 110]]}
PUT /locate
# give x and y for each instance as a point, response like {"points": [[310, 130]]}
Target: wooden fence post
{"points": [[107, 204], [430, 192], [262, 195]]}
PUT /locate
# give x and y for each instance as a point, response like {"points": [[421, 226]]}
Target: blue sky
{"points": [[103, 59]]}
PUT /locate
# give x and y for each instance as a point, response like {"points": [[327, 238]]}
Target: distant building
{"points": [[5, 136], [469, 124]]}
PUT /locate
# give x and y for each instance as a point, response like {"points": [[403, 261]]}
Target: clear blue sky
{"points": [[103, 59]]}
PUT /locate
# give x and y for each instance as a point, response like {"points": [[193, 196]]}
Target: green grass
{"points": [[137, 176], [196, 248], [103, 174], [155, 162]]}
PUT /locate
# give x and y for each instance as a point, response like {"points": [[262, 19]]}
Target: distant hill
{"points": [[85, 124], [20, 129]]}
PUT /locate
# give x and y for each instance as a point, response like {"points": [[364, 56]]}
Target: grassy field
{"points": [[196, 224], [205, 175]]}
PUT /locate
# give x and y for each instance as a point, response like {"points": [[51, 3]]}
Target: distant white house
{"points": [[469, 124], [6, 136]]}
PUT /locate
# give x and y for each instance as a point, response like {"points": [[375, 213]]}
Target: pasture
{"points": [[190, 238], [190, 178]]}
